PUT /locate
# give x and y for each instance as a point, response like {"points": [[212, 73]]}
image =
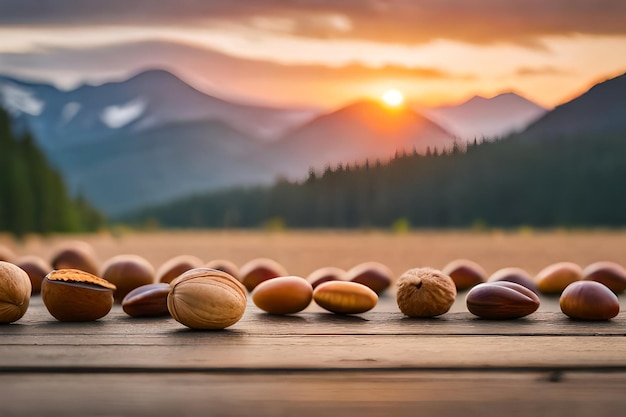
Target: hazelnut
{"points": [[205, 298], [608, 273], [15, 289], [425, 292], [258, 270], [554, 278], [176, 266], [127, 272], [342, 297], [6, 254], [501, 300], [465, 273], [283, 295], [325, 274], [589, 300], [36, 268], [75, 295], [516, 275], [76, 255], [147, 301], [225, 266], [374, 275]]}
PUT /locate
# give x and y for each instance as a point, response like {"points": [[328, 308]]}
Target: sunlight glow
{"points": [[393, 98]]}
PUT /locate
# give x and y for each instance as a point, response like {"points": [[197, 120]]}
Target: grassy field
{"points": [[303, 251]]}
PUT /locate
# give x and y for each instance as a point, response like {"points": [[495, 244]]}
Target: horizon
{"points": [[320, 54], [406, 102]]}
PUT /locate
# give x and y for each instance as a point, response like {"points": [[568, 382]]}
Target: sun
{"points": [[393, 98]]}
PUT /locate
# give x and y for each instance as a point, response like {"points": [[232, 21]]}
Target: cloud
{"points": [[400, 21], [216, 73], [541, 71]]}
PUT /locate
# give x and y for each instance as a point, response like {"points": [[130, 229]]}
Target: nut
{"points": [[205, 298], [224, 266], [283, 295], [36, 268], [6, 254], [176, 266], [258, 270], [501, 300], [554, 278], [325, 274], [465, 273], [76, 255], [127, 272], [371, 274], [608, 273], [15, 289], [516, 275], [147, 301], [589, 300], [425, 292], [342, 297], [75, 295]]}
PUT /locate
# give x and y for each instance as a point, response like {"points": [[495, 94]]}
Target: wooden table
{"points": [[315, 363]]}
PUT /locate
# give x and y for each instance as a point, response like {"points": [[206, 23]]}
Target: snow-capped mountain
{"points": [[150, 99]]}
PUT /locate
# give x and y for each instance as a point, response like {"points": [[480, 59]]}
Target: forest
{"points": [[33, 195], [570, 181]]}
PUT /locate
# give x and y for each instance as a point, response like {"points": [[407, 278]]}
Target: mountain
{"points": [[362, 130], [148, 100], [147, 139], [155, 165], [482, 117], [600, 110]]}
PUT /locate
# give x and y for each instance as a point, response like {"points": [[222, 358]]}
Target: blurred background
{"points": [[274, 115]]}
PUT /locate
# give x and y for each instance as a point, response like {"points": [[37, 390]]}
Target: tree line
{"points": [[33, 195], [564, 181]]}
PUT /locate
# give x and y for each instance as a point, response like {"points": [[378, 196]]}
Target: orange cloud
{"points": [[419, 21]]}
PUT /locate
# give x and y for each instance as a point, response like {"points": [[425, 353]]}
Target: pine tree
{"points": [[33, 196]]}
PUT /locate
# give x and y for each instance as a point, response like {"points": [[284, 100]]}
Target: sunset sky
{"points": [[320, 52]]}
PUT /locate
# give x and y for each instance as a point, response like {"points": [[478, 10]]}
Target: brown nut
{"points": [[36, 268], [554, 278], [204, 298], [501, 300], [608, 273], [325, 274], [283, 295], [258, 270], [15, 289], [224, 266], [76, 255], [374, 275], [176, 266], [589, 300], [6, 254], [74, 295], [425, 292], [127, 272], [147, 301], [516, 275], [343, 297], [465, 273]]}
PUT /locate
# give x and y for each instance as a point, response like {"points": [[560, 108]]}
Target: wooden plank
{"points": [[38, 322], [235, 351], [303, 395]]}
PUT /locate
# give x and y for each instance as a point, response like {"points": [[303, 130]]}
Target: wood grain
{"points": [[304, 395], [316, 363]]}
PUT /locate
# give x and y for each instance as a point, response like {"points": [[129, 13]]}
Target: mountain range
{"points": [[481, 117], [153, 138]]}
